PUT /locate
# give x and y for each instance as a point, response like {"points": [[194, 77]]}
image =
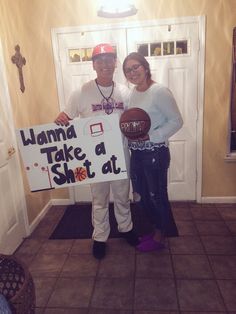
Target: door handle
{"points": [[11, 151]]}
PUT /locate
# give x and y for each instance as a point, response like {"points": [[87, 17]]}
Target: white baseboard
{"points": [[40, 216], [64, 201], [52, 202], [222, 199]]}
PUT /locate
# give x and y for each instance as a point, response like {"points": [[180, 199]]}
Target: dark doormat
{"points": [[76, 222]]}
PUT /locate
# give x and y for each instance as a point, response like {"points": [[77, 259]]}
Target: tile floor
{"points": [[196, 273]]}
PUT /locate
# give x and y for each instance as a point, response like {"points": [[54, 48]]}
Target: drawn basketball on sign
{"points": [[80, 173]]}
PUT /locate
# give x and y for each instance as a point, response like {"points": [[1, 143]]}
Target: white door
{"points": [[75, 49], [74, 57], [12, 199], [172, 51]]}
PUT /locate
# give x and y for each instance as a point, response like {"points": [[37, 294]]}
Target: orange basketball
{"points": [[134, 123]]}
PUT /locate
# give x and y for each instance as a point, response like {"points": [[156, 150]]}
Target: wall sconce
{"points": [[116, 8]]}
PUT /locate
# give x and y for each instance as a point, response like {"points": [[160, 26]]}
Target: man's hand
{"points": [[62, 119]]}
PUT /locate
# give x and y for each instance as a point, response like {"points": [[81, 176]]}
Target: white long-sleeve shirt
{"points": [[161, 106]]}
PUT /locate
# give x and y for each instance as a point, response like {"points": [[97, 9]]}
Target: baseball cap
{"points": [[103, 49]]}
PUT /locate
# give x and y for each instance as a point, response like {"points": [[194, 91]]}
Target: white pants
{"points": [[100, 207]]}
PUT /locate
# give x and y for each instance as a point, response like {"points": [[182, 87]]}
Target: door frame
{"points": [[200, 20]]}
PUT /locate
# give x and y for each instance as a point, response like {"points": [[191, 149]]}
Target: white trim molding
{"points": [[40, 216], [43, 212], [219, 200]]}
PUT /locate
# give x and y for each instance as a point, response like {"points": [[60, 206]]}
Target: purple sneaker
{"points": [[150, 245], [146, 237]]}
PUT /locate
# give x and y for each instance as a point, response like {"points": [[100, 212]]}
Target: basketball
{"points": [[80, 173], [135, 123]]}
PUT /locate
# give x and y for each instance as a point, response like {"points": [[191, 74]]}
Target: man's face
{"points": [[105, 65]]}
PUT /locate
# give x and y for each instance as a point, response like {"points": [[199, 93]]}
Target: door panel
{"points": [[75, 72], [12, 206]]}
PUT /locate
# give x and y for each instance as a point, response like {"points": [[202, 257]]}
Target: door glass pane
{"points": [[156, 49], [168, 48], [80, 54], [86, 54], [143, 49], [181, 47], [74, 55]]}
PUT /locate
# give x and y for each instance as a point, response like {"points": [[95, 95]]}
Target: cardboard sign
{"points": [[89, 150]]}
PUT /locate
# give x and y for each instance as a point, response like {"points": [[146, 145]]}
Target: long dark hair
{"points": [[139, 58]]}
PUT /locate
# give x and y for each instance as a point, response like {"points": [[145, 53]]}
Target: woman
{"points": [[150, 156]]}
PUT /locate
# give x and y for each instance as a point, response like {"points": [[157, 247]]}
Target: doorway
{"points": [[175, 51]]}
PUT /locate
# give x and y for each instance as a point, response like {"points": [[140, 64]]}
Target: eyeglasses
{"points": [[133, 68]]}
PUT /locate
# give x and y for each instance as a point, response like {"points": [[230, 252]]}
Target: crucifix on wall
{"points": [[19, 61]]}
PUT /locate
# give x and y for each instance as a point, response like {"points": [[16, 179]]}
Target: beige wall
{"points": [[29, 22]]}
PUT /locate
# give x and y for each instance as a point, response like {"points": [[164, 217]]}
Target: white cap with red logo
{"points": [[103, 49]]}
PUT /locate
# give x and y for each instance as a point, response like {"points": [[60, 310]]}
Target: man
{"points": [[99, 97]]}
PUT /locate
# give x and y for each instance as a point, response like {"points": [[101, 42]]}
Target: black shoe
{"points": [[99, 249], [131, 237]]}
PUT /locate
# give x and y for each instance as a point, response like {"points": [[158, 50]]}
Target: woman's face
{"points": [[134, 72]]}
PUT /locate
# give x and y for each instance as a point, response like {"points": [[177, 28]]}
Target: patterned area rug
{"points": [[76, 222]]}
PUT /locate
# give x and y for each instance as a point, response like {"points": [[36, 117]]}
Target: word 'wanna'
{"points": [[49, 136]]}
